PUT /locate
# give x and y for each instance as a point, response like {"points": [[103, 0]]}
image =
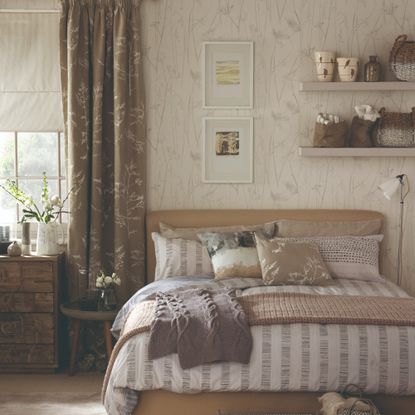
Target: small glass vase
{"points": [[372, 70], [107, 300]]}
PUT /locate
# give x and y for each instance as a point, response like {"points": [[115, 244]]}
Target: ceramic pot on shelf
{"points": [[325, 65], [348, 69], [50, 238]]}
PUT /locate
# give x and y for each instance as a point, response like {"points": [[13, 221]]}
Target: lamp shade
{"points": [[390, 187]]}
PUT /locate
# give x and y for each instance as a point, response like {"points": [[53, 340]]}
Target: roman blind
{"points": [[30, 97]]}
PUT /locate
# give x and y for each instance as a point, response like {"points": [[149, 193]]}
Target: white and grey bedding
{"points": [[289, 357]]}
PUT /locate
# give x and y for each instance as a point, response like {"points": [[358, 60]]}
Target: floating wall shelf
{"points": [[356, 152], [357, 86]]}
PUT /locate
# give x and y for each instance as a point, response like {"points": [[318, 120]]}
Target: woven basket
{"points": [[352, 411], [402, 59], [395, 129], [355, 391]]}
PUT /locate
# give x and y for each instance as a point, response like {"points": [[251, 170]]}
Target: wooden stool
{"points": [[73, 311]]}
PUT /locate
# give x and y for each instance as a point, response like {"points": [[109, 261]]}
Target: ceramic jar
{"points": [[50, 238], [14, 249], [348, 69], [325, 64]]}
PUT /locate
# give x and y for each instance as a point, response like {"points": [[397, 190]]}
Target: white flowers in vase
{"points": [[107, 281], [49, 211]]}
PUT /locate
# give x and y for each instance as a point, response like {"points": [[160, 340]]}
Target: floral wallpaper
{"points": [[285, 33]]}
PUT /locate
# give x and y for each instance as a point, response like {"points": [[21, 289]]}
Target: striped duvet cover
{"points": [[288, 357]]}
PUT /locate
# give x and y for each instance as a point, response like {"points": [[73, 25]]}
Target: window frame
{"points": [[59, 178]]}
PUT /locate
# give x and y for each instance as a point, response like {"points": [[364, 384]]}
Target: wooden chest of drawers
{"points": [[29, 313]]}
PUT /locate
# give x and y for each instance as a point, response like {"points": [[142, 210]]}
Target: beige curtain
{"points": [[103, 103]]}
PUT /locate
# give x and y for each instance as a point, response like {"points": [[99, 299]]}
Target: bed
{"points": [[262, 394]]}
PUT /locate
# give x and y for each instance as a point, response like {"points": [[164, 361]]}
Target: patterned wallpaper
{"points": [[286, 33]]}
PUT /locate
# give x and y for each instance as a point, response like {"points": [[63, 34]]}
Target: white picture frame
{"points": [[228, 75], [228, 150]]}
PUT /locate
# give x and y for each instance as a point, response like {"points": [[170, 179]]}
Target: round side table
{"points": [[73, 311]]}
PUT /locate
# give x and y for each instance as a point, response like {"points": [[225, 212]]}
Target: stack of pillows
{"points": [[284, 252]]}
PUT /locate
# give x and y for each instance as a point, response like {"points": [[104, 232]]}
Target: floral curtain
{"points": [[103, 101]]}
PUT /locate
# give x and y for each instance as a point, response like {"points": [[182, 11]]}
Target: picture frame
{"points": [[228, 74], [228, 150]]}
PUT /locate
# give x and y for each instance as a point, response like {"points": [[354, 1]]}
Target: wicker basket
{"points": [[395, 129], [402, 59], [352, 411], [355, 391]]}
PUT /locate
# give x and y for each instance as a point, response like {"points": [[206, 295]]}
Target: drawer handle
{"points": [[11, 328]]}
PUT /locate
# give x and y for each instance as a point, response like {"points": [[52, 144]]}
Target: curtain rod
{"points": [[29, 11]]}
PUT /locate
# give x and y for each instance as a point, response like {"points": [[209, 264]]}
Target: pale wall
{"points": [[285, 34]]}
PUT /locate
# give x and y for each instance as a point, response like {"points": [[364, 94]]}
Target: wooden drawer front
{"points": [[37, 277], [26, 328], [26, 354], [26, 277], [26, 302], [10, 277]]}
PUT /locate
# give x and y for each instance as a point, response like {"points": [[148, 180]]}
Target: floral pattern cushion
{"points": [[291, 263]]}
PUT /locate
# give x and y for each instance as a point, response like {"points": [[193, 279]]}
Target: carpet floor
{"points": [[51, 394]]}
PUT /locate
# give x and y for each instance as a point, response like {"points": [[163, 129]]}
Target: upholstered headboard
{"points": [[201, 218]]}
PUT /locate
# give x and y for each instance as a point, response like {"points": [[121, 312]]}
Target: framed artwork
{"points": [[228, 74], [227, 150]]}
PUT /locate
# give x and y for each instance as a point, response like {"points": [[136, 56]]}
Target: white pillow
{"points": [[349, 257], [180, 258]]}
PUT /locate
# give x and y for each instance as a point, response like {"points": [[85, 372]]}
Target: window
{"points": [[24, 156]]}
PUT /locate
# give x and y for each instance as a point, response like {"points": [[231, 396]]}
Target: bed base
{"points": [[160, 402]]}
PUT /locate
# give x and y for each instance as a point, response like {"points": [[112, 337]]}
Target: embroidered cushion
{"points": [[180, 257], [291, 263]]}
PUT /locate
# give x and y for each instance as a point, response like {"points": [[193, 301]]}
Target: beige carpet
{"points": [[51, 394]]}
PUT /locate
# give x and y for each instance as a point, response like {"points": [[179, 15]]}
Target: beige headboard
{"points": [[200, 218]]}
